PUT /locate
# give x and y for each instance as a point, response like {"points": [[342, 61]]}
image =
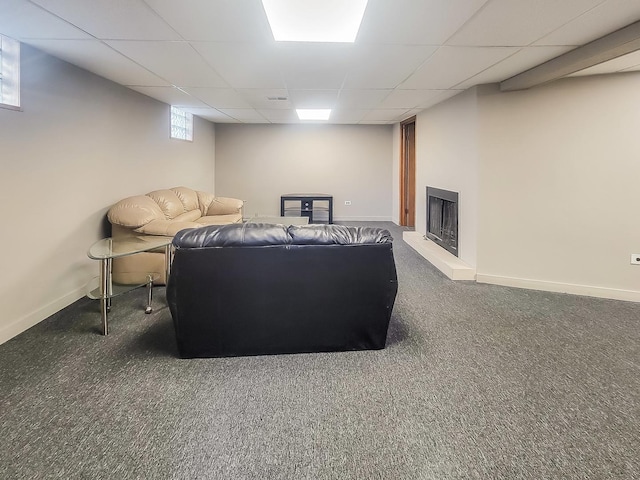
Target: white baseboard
{"points": [[449, 264], [586, 290], [455, 269], [18, 326]]}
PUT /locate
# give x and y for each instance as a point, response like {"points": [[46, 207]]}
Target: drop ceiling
{"points": [[218, 60]]}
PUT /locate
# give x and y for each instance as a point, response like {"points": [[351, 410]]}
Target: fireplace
{"points": [[442, 218]]}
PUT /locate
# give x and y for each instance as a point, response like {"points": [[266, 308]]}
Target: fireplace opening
{"points": [[442, 218]]}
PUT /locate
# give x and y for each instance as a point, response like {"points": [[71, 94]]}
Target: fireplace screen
{"points": [[442, 218]]}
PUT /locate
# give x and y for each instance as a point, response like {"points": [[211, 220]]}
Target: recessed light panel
{"points": [[315, 20], [313, 113]]}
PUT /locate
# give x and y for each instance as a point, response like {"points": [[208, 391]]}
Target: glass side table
{"points": [[106, 250]]}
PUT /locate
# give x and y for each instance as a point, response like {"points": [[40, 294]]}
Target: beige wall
{"points": [[258, 163], [559, 195], [80, 144], [447, 157], [547, 180]]}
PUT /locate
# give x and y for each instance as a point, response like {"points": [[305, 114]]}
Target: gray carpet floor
{"points": [[476, 382]]}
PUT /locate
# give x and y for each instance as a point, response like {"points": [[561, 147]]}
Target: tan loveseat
{"points": [[164, 212]]}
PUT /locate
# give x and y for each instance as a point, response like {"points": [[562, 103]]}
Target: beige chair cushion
{"points": [[135, 211], [167, 228], [192, 216], [220, 219]]}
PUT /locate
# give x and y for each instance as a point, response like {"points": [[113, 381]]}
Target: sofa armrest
{"points": [[167, 228], [224, 206]]}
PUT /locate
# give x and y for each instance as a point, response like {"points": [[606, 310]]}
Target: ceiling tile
{"points": [[314, 98], [451, 65], [605, 18], [22, 21], [384, 66], [414, 22], [526, 58], [170, 95], [244, 65], [96, 57], [412, 113], [440, 98], [219, 97], [279, 116], [216, 20], [210, 114], [314, 66], [390, 114], [118, 19], [409, 98], [347, 116], [266, 98], [518, 22], [223, 53], [361, 99], [245, 115], [176, 62]]}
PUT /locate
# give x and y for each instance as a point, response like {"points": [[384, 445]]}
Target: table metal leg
{"points": [[105, 282], [149, 294]]}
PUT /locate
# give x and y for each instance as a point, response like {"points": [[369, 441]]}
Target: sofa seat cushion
{"points": [[192, 216], [167, 228], [220, 219]]}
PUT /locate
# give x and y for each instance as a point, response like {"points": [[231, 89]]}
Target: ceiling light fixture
{"points": [[315, 20], [313, 113]]}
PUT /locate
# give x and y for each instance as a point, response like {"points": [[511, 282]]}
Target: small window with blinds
{"points": [[9, 73], [181, 124]]}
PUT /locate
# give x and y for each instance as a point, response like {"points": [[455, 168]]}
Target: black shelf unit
{"points": [[317, 206]]}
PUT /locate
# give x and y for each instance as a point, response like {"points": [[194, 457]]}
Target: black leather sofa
{"points": [[254, 289]]}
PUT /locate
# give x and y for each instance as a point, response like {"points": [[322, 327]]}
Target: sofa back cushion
{"points": [[170, 203], [233, 235], [258, 234], [337, 235], [135, 212], [188, 197]]}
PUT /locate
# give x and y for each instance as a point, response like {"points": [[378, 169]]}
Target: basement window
{"points": [[9, 73], [181, 124]]}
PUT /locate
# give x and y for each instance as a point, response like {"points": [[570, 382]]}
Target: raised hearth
{"points": [[447, 263]]}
